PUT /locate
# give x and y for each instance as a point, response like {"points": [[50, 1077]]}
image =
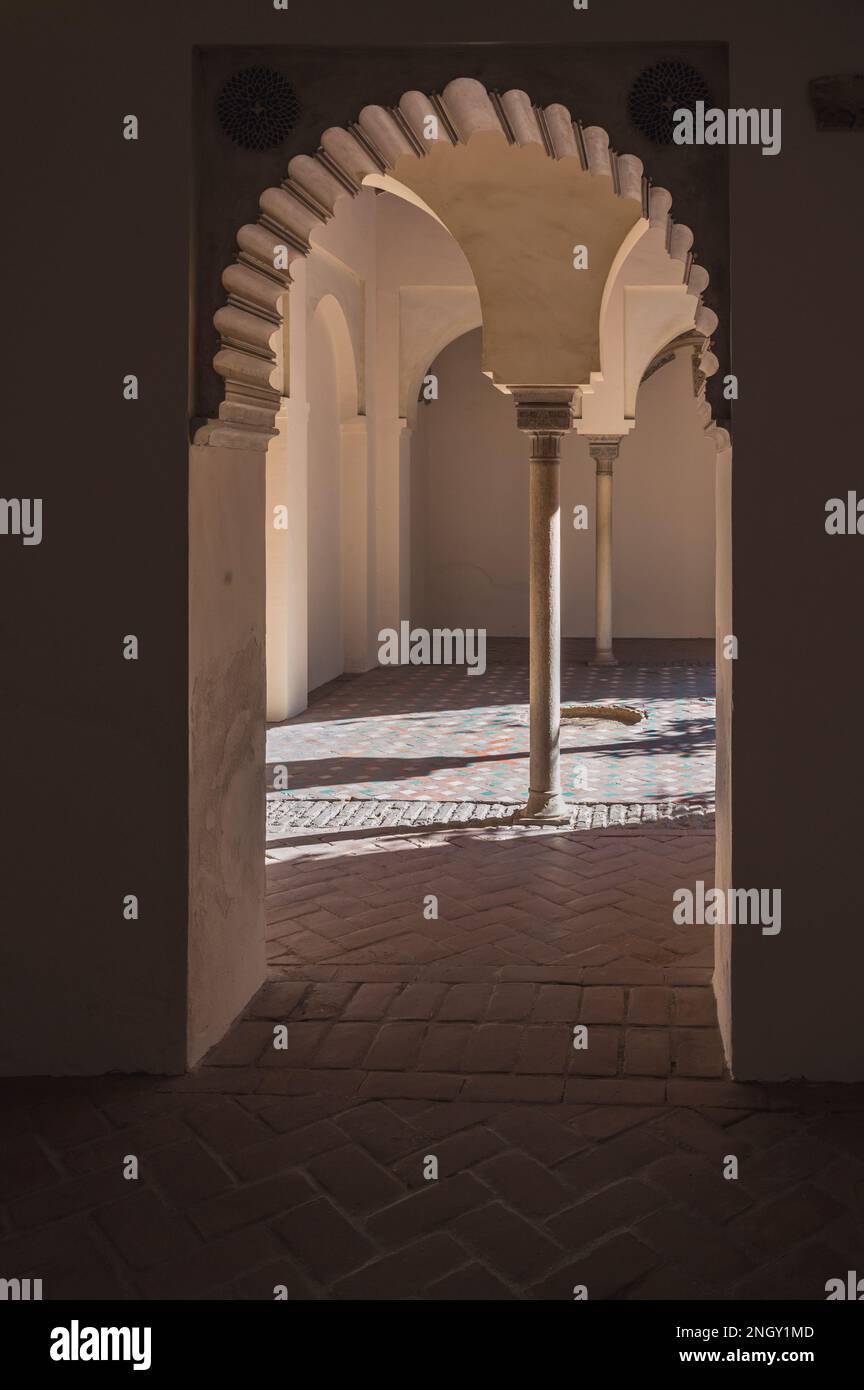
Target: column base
{"points": [[603, 659], [544, 808]]}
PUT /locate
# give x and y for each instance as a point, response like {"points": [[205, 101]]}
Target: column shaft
{"points": [[604, 452], [545, 798], [545, 414]]}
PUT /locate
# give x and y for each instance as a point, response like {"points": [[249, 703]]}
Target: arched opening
{"points": [[357, 364], [468, 506]]}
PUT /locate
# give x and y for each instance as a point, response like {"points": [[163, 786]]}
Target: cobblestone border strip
{"points": [[292, 817]]}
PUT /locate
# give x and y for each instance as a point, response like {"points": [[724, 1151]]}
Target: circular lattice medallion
{"points": [[257, 108], [659, 92]]}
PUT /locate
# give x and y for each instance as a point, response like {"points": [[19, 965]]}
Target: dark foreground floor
{"points": [[409, 1039]]}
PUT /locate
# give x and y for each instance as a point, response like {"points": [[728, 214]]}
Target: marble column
{"points": [[546, 416], [604, 451]]}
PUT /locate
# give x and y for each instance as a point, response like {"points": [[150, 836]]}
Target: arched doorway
{"points": [[570, 349]]}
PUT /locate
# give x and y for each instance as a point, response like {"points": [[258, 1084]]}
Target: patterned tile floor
{"points": [[438, 734]]}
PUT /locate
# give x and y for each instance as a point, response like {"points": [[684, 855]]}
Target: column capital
{"points": [[603, 449], [543, 410]]}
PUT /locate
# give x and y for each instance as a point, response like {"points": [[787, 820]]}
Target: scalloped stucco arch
{"points": [[510, 181]]}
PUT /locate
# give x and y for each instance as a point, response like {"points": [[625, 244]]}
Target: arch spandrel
{"points": [[517, 215], [429, 320]]}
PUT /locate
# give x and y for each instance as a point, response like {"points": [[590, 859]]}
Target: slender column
{"points": [[604, 451], [546, 416]]}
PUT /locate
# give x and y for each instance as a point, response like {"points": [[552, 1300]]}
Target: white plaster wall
{"points": [[225, 949], [286, 547], [412, 250], [387, 265], [287, 566], [324, 627], [470, 511], [723, 774]]}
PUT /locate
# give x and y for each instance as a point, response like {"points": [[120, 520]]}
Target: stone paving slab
{"points": [[293, 817]]}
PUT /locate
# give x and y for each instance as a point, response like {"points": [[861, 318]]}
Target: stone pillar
{"points": [[286, 552], [546, 416], [356, 597], [604, 450]]}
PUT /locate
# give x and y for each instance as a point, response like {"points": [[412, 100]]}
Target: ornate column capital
{"points": [[603, 449], [542, 411]]}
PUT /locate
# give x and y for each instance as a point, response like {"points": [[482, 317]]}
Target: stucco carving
{"points": [[543, 419], [604, 450]]}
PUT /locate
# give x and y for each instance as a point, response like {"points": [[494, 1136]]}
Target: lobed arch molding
{"points": [[510, 181]]}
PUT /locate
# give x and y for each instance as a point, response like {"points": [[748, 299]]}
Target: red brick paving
{"points": [[531, 931], [410, 1039]]}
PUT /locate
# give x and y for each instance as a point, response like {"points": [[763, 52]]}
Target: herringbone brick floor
{"points": [[534, 935], [506, 898], [307, 1167]]}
